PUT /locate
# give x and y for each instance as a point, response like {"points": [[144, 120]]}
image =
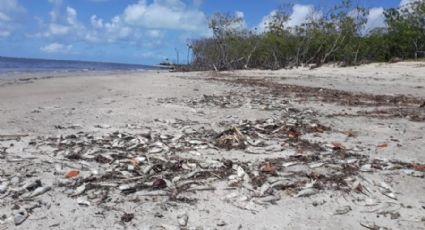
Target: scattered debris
{"points": [[8, 137], [72, 173], [159, 184], [20, 216], [419, 167], [268, 168], [83, 202], [232, 138], [381, 146], [127, 217], [372, 226], [39, 191], [386, 190], [221, 223], [169, 166], [393, 215], [338, 145], [343, 210], [182, 220]]}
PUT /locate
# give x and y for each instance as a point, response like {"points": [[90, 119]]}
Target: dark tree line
{"points": [[337, 36]]}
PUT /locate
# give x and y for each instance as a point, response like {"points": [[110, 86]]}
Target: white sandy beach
{"points": [[373, 119]]}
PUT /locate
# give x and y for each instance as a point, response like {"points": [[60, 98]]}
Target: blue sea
{"points": [[10, 65]]}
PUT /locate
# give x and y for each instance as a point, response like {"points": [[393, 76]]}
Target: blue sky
{"points": [[134, 31]]}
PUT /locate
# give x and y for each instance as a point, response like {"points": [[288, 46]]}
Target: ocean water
{"points": [[28, 65]]}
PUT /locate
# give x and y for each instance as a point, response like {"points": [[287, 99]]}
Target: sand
{"points": [[379, 103]]}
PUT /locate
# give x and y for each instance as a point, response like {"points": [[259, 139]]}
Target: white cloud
{"points": [[143, 24], [300, 14], [71, 16], [58, 29], [11, 6], [241, 24], [96, 22], [56, 48], [165, 14], [108, 31], [404, 3], [197, 3], [407, 4], [141, 21], [4, 33], [4, 17], [264, 24], [10, 13], [63, 22], [55, 13], [155, 33], [375, 19]]}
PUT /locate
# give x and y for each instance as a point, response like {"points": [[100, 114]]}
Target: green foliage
{"points": [[337, 36], [406, 29]]}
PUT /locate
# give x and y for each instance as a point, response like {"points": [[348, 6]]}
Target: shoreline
{"points": [[6, 76]]}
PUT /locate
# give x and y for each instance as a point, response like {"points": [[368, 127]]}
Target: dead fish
{"points": [[182, 219], [155, 150], [64, 182], [4, 187], [390, 195], [102, 126], [343, 210], [289, 164], [265, 189], [255, 143], [370, 225], [40, 191], [166, 137], [31, 186], [307, 192], [267, 199], [20, 217], [128, 189], [83, 202], [147, 169], [240, 171], [125, 187], [366, 168], [130, 168], [409, 172], [386, 190], [221, 223], [315, 165], [351, 161], [281, 184], [79, 190], [195, 142]]}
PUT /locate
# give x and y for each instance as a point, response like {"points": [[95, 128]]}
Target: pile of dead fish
{"points": [[147, 163], [232, 100]]}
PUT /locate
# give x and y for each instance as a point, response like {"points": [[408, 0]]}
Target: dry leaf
{"points": [[72, 173], [349, 133], [338, 145], [135, 163], [268, 168], [293, 134], [419, 167], [381, 146]]}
